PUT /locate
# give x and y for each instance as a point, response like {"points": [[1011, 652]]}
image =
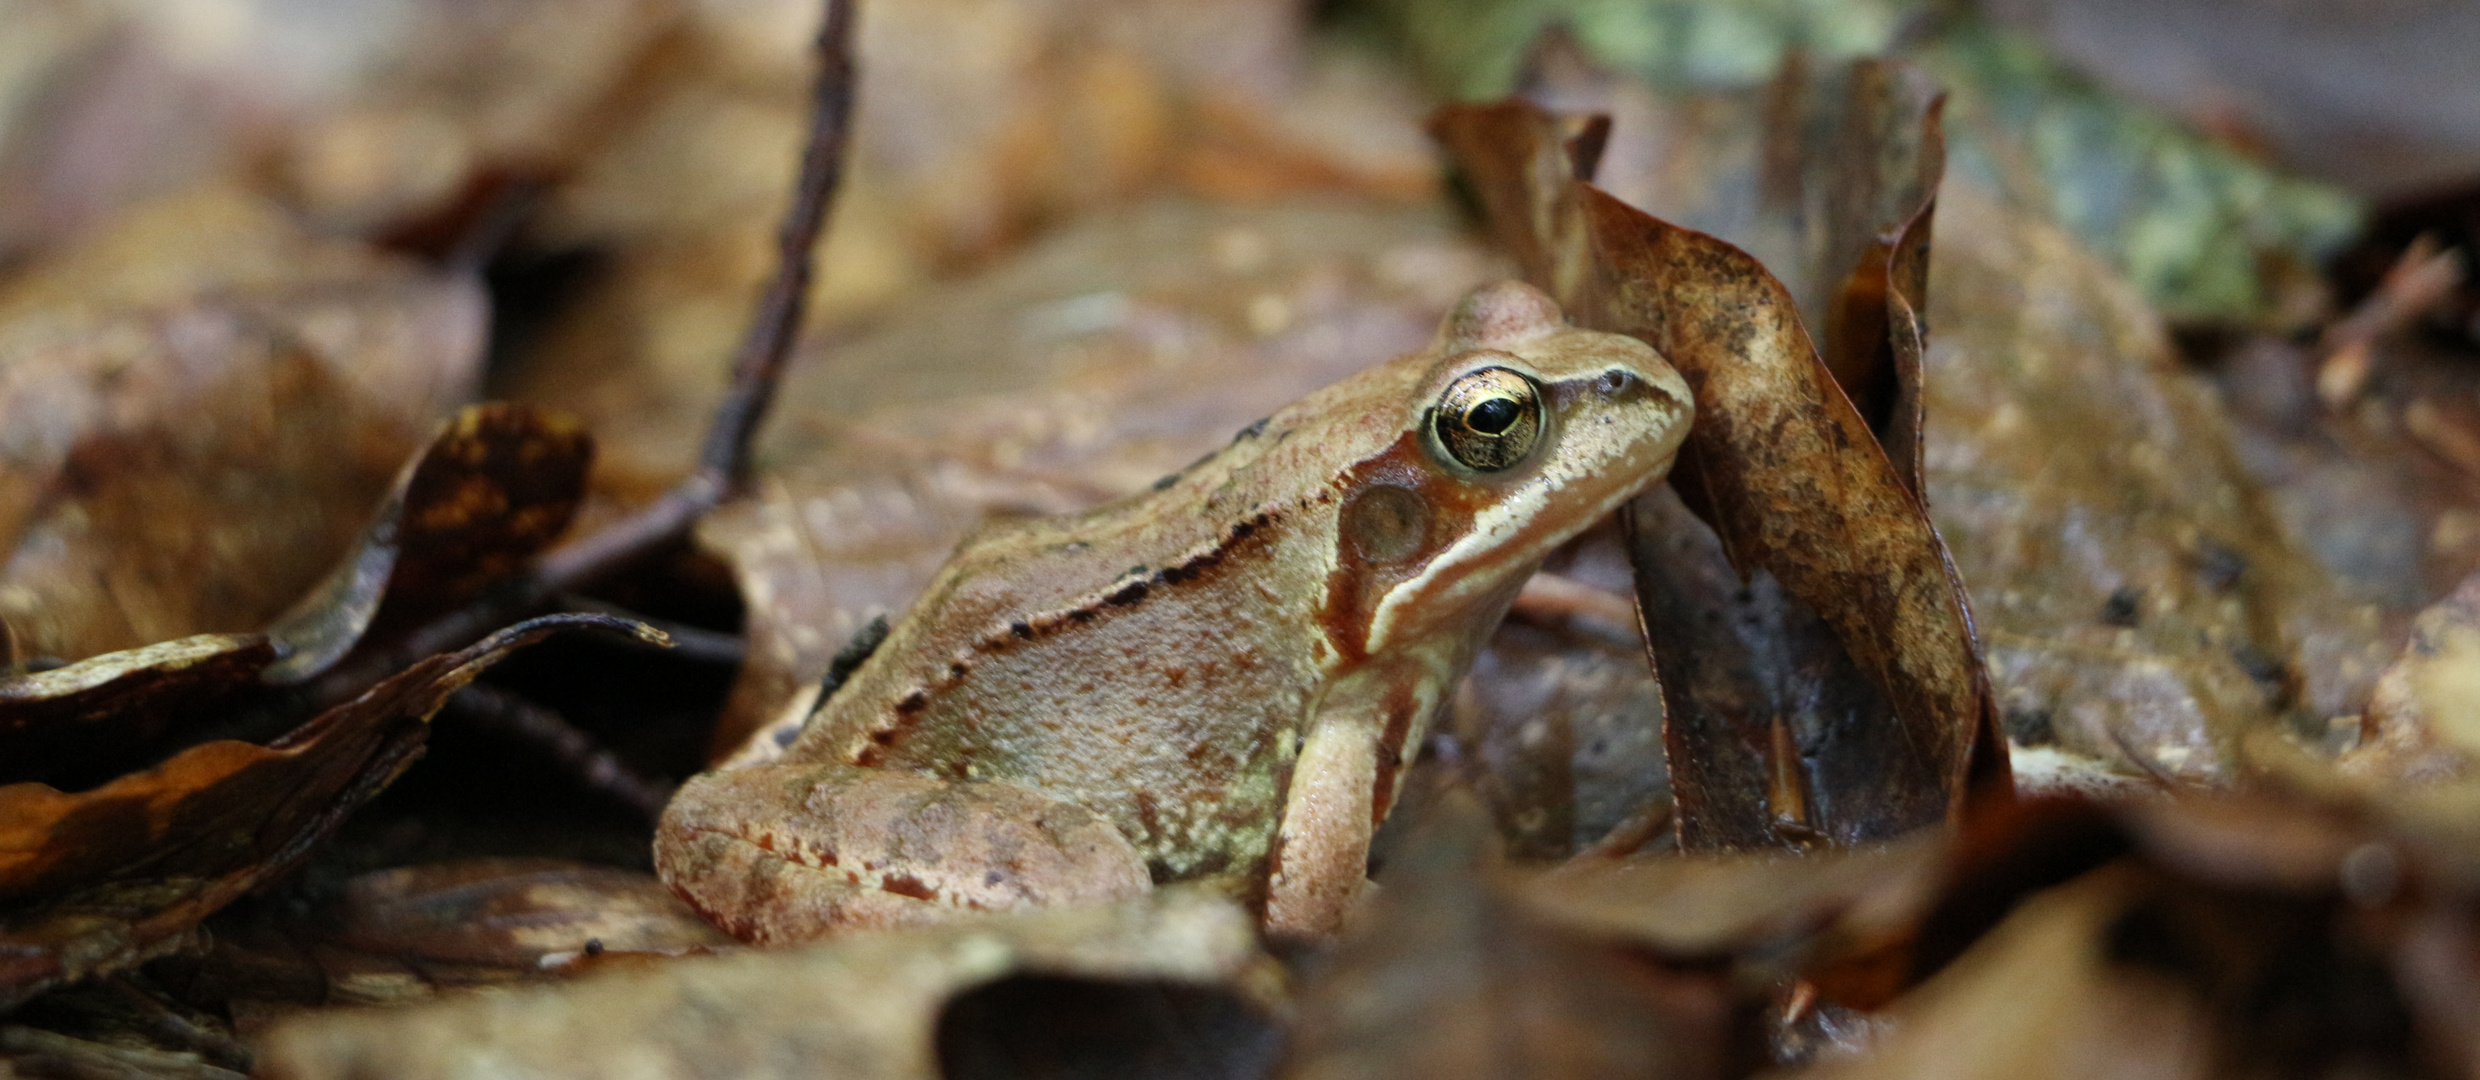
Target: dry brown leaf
{"points": [[69, 726], [35, 1052], [498, 484], [514, 913], [391, 115], [2040, 999], [99, 880], [94, 116], [1718, 907], [866, 1005], [415, 134], [494, 488], [1447, 975], [984, 124], [202, 406], [1793, 479], [2139, 602]]}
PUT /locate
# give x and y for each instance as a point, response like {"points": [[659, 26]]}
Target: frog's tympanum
{"points": [[1216, 680]]}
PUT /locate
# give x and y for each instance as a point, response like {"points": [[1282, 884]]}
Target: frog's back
{"points": [[1146, 659]]}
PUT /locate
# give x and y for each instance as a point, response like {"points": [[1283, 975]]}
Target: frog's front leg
{"points": [[788, 852], [1349, 770]]}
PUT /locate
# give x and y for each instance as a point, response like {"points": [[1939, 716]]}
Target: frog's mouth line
{"points": [[1514, 532]]}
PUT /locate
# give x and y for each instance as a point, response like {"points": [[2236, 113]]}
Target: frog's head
{"points": [[1515, 432]]}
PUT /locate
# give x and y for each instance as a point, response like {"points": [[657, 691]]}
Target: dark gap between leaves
{"points": [[1034, 1027]]}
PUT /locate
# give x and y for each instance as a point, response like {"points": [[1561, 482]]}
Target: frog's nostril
{"points": [[1613, 383]]}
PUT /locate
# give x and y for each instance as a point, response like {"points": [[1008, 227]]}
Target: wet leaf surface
{"points": [[1562, 718], [2137, 603]]}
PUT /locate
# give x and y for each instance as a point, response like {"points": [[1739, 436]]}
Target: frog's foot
{"points": [[783, 853]]}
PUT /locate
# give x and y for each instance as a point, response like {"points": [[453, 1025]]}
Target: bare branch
{"points": [[759, 367], [723, 465]]}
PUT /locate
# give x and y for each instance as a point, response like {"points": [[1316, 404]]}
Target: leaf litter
{"points": [[102, 879], [2154, 608], [1791, 479]]}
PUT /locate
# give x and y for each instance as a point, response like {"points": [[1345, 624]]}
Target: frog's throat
{"points": [[1503, 545]]}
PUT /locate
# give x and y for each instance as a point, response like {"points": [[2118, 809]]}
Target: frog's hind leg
{"points": [[782, 853]]}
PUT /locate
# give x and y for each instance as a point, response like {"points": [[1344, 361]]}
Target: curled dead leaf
{"points": [[1789, 475], [495, 487], [98, 880], [62, 726]]}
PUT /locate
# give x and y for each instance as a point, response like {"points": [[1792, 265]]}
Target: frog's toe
{"points": [[785, 853]]}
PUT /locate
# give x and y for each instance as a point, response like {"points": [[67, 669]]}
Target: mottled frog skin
{"points": [[1219, 679]]}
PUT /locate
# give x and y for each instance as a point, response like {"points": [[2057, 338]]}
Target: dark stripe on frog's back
{"points": [[1220, 519], [1156, 712]]}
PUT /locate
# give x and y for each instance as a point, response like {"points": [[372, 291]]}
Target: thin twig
{"points": [[577, 753], [1558, 601], [2417, 281], [723, 465], [759, 367], [693, 643]]}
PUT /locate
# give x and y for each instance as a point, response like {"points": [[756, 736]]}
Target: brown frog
{"points": [[1216, 680]]}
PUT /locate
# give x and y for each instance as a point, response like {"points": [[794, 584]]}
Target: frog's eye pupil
{"points": [[1493, 416], [1488, 419]]}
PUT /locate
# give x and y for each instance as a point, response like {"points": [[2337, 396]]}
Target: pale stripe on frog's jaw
{"points": [[1519, 529]]}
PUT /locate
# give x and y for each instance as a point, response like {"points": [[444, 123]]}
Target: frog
{"points": [[1218, 682]]}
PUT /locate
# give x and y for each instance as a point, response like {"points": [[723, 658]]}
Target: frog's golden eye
{"points": [[1489, 419]]}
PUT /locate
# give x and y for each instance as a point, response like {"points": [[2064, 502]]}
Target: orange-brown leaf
{"points": [[94, 881], [60, 725]]}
